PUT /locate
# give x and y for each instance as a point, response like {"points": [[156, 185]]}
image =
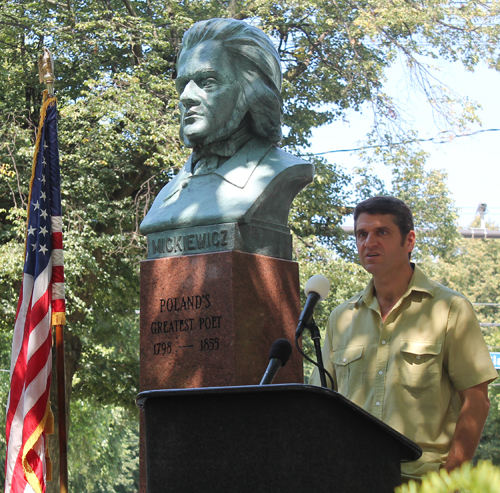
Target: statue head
{"points": [[228, 71]]}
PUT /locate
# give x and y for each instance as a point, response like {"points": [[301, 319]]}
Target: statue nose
{"points": [[190, 94]]}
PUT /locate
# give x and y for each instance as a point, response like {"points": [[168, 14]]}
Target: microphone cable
{"points": [[313, 362]]}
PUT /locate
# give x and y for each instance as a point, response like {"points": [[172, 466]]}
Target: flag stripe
{"points": [[39, 356], [57, 257], [59, 305], [57, 274], [57, 241], [17, 368]]}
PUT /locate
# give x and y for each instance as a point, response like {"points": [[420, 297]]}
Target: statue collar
{"points": [[239, 167], [223, 149]]}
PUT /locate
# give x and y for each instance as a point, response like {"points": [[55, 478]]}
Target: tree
{"points": [[115, 64], [474, 272], [413, 184]]}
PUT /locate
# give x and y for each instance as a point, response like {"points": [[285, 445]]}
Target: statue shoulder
{"points": [[286, 158], [176, 182], [289, 165]]}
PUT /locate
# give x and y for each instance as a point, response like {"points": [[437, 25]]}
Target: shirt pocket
{"points": [[348, 364], [419, 366]]}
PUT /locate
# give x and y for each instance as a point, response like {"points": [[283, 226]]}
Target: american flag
{"points": [[41, 305]]}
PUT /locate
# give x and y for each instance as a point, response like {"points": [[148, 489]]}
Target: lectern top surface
{"points": [[410, 451]]}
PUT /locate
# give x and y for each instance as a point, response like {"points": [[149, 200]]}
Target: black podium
{"points": [[272, 438]]}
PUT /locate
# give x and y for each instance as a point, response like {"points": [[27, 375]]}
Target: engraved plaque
{"points": [[189, 241]]}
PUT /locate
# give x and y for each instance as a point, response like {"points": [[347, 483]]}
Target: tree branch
{"points": [[129, 7], [58, 4]]}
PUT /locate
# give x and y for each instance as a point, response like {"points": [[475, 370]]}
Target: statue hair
{"points": [[257, 63]]}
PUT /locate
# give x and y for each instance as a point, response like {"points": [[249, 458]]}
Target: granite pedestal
{"points": [[209, 320]]}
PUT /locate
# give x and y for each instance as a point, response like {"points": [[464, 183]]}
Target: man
{"points": [[229, 83], [407, 349]]}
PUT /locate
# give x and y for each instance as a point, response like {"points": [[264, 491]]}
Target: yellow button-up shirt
{"points": [[407, 370]]}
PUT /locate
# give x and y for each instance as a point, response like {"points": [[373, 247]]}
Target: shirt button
{"points": [[377, 403], [384, 342], [380, 372], [344, 360], [418, 357]]}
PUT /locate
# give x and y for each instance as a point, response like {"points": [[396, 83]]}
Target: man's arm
{"points": [[475, 407]]}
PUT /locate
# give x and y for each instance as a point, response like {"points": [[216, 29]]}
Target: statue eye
{"points": [[207, 82]]}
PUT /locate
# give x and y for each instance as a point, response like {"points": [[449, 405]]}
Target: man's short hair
{"points": [[257, 64], [403, 217]]}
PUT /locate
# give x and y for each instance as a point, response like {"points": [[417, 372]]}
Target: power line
{"points": [[411, 141]]}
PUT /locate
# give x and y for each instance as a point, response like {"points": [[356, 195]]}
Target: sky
{"points": [[472, 163]]}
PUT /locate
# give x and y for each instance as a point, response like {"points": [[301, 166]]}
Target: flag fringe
{"points": [[48, 465], [31, 477], [58, 318]]}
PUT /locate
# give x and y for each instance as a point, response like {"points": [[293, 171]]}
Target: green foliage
{"points": [[489, 446], [318, 210], [484, 478], [474, 272], [105, 459], [118, 143], [4, 392]]}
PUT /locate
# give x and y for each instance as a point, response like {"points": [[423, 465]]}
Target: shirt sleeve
{"points": [[466, 356], [327, 354]]}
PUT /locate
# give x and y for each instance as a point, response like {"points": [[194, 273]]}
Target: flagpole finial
{"points": [[46, 70]]}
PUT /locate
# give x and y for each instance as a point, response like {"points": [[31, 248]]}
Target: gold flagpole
{"points": [[46, 70], [46, 76]]}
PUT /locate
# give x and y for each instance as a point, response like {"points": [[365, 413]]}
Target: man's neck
{"points": [[390, 288]]}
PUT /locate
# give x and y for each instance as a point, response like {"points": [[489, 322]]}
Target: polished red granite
{"points": [[209, 320]]}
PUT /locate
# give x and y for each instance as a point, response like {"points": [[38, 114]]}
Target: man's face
{"points": [[381, 248], [209, 94]]}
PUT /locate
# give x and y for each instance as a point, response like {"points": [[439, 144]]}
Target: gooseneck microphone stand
{"points": [[316, 337]]}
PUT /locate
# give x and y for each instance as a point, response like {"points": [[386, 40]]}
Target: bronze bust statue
{"points": [[229, 83]]}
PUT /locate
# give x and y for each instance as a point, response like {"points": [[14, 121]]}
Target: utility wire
{"points": [[404, 142]]}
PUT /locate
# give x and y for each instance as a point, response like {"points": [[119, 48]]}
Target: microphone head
{"points": [[281, 349], [318, 284]]}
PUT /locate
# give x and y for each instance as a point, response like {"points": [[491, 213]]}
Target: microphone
{"points": [[281, 350], [316, 290]]}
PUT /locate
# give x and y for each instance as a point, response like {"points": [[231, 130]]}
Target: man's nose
{"points": [[190, 94], [370, 240]]}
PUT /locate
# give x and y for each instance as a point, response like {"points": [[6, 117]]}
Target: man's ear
{"points": [[410, 240]]}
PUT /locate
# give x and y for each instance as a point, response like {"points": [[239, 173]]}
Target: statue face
{"points": [[209, 94]]}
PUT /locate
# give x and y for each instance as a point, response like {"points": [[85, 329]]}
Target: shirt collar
{"points": [[418, 282]]}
